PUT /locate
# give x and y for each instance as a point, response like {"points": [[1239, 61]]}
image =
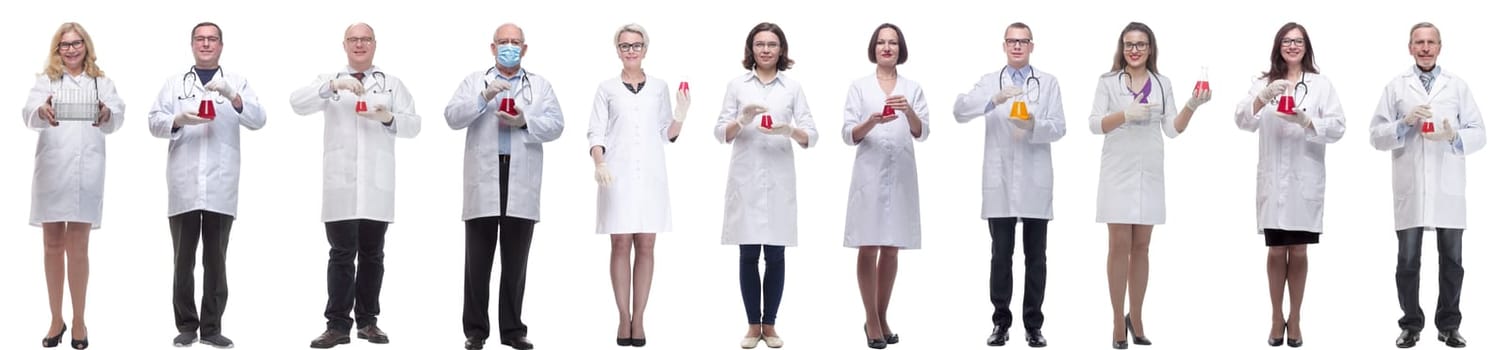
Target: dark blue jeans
{"points": [[749, 281]]}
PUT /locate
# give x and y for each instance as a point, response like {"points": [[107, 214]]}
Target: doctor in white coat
{"points": [[204, 176], [631, 122], [1430, 178], [884, 211], [68, 182], [1291, 172], [1017, 180], [760, 209], [1134, 117], [503, 168], [359, 180]]}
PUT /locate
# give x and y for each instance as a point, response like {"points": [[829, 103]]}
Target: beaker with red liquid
{"points": [[1427, 126], [507, 106], [361, 106], [1204, 83], [765, 122], [207, 109], [1286, 104], [887, 110]]}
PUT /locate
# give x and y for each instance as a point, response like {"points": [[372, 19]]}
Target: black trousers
{"points": [[349, 284], [188, 230], [485, 237], [1002, 246], [1407, 278], [749, 281]]}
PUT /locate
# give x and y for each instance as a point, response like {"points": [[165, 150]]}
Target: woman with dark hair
{"points": [[1291, 181], [1132, 114], [884, 213], [760, 211]]}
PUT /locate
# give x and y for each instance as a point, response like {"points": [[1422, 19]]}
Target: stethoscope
{"points": [[189, 79], [1300, 98], [1026, 84], [526, 89], [380, 87], [1163, 98]]}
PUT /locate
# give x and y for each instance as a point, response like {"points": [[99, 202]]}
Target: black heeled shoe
{"points": [[1119, 344], [1293, 343], [873, 343], [1139, 340], [1275, 342], [52, 342], [624, 341], [636, 342], [80, 343]]}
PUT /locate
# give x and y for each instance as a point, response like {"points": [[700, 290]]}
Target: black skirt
{"points": [[1275, 238]]}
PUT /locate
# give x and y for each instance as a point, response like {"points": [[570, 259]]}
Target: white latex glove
{"points": [[604, 179], [1417, 114], [1024, 124], [494, 88], [378, 113], [223, 88], [348, 84], [1005, 94], [1138, 112], [1275, 88], [747, 115], [1444, 132], [1298, 117], [1200, 97], [188, 118], [779, 130], [683, 102], [511, 119]]}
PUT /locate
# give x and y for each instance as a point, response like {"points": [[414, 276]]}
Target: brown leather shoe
{"points": [[330, 339], [372, 334]]}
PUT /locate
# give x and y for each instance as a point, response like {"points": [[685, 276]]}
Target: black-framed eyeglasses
{"points": [[74, 45], [1137, 46], [1019, 42], [207, 38], [1293, 42], [626, 47], [362, 40]]}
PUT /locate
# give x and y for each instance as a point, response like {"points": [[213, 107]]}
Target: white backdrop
{"points": [[1208, 283]]}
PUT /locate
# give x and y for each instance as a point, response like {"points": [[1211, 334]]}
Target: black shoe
{"points": [[217, 341], [1136, 339], [998, 336], [52, 342], [79, 343], [330, 339], [625, 341], [876, 343], [1453, 338], [1294, 343], [1121, 344], [636, 342], [1275, 342], [185, 339], [372, 334], [522, 343], [892, 338], [1407, 338], [1035, 338], [475, 343]]}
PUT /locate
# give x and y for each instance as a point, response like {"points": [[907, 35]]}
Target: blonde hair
{"points": [[55, 69], [632, 28]]}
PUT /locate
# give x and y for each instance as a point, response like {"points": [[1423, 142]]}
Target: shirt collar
{"points": [[499, 74], [1434, 72], [368, 72], [779, 77], [1022, 73]]}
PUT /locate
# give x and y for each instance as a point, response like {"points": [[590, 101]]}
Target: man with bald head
{"points": [[364, 109], [508, 114]]}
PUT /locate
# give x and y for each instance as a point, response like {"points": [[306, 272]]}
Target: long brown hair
{"points": [[1278, 69], [1120, 62]]}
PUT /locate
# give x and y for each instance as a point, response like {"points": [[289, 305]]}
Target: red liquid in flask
{"points": [[507, 106], [1428, 127], [361, 106], [765, 122], [887, 111], [1202, 85], [207, 109], [1286, 104], [683, 87]]}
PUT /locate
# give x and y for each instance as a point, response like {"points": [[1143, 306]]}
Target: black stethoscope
{"points": [[380, 87], [1300, 98], [526, 89], [1026, 84], [189, 79], [1162, 98]]}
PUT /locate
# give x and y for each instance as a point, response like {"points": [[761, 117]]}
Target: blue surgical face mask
{"points": [[509, 55]]}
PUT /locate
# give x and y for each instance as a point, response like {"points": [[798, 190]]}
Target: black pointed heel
{"points": [[1275, 342], [1136, 339], [80, 343], [52, 342]]}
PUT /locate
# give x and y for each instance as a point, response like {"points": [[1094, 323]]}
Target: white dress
{"points": [[1131, 159], [884, 206], [68, 182], [632, 129], [760, 200]]}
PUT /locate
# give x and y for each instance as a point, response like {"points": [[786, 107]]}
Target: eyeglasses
{"points": [[515, 42], [626, 47], [1293, 42], [1137, 46], [1018, 42], [210, 39], [361, 40], [74, 45], [772, 45]]}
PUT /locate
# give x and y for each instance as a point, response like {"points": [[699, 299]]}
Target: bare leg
{"points": [[868, 283], [77, 247], [52, 267], [644, 273], [1142, 236], [618, 271], [886, 273], [1277, 271], [1117, 259], [1299, 268]]}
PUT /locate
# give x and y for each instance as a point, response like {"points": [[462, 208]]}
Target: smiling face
{"points": [[1018, 46], [631, 49], [360, 45], [887, 46], [1135, 48], [767, 49], [71, 47], [1425, 45], [206, 45], [1293, 46]]}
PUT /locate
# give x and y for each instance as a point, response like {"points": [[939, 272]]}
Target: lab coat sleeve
{"points": [[544, 122], [405, 120], [919, 106], [1247, 120], [1048, 116], [666, 116], [160, 116], [1471, 135], [462, 110], [34, 100], [253, 116], [312, 98], [727, 115], [597, 124], [1387, 123], [112, 101], [803, 118], [853, 114], [1330, 124], [971, 105], [1170, 111], [1100, 109]]}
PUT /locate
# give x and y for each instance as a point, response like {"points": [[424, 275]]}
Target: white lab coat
{"points": [[1430, 177], [204, 161], [536, 101], [359, 165], [1131, 158], [1291, 171], [759, 204], [68, 182], [633, 129], [1017, 179], [884, 204]]}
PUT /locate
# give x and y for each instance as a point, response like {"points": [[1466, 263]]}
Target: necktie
{"points": [[1016, 78], [1425, 80], [358, 75]]}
